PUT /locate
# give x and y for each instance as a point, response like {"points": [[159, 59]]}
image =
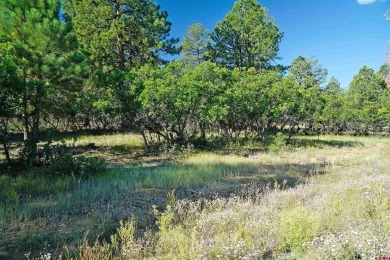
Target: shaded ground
{"points": [[44, 231], [92, 212]]}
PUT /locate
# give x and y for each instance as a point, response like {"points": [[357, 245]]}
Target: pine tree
{"points": [[246, 37], [48, 64], [195, 44], [122, 34]]}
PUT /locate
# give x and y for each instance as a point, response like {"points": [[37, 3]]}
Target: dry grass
{"points": [[124, 140], [344, 200], [344, 214]]}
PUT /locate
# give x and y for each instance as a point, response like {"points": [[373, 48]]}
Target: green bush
{"points": [[8, 193], [91, 166], [59, 160], [278, 142]]}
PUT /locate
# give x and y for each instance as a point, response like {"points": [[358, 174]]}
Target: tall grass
{"points": [[67, 196], [324, 219], [128, 140], [348, 162]]}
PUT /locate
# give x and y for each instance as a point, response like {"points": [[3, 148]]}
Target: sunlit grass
{"points": [[105, 198], [344, 214], [125, 140]]}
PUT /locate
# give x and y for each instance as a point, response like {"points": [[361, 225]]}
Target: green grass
{"points": [[125, 140], [65, 195], [344, 214], [39, 205]]}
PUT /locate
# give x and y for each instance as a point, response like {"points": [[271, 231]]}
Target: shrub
{"points": [[278, 142], [59, 160], [91, 166]]}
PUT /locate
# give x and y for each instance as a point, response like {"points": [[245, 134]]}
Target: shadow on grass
{"points": [[205, 177], [124, 192], [110, 151], [298, 142]]}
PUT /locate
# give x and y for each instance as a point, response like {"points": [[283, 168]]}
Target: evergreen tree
{"points": [[246, 37], [122, 34], [309, 75], [333, 109], [48, 66], [195, 44], [308, 72], [117, 36], [10, 89], [384, 73], [366, 99]]}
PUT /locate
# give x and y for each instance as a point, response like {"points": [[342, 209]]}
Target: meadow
{"points": [[122, 139], [320, 197]]}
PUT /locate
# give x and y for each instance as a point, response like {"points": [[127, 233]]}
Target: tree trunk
{"points": [[6, 151], [26, 131]]}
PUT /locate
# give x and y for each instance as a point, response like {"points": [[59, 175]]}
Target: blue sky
{"points": [[344, 35]]}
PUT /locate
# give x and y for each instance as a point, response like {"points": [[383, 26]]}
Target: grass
{"points": [[39, 217], [117, 140], [344, 214]]}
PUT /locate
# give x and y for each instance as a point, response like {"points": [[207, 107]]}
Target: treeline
{"points": [[98, 64], [179, 104]]}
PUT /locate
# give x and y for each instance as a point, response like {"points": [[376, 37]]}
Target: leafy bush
{"points": [[59, 160], [91, 166], [278, 142]]}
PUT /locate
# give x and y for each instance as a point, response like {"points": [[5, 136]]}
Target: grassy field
{"points": [[321, 197]]}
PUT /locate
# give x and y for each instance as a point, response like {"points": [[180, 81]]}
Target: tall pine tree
{"points": [[48, 64], [122, 34], [246, 37]]}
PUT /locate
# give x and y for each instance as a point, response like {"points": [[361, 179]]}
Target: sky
{"points": [[343, 35]]}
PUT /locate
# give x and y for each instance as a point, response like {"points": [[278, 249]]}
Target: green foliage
{"points": [[246, 37], [48, 64], [286, 99], [195, 44], [334, 106], [175, 99], [207, 85], [278, 143], [309, 76], [367, 98], [333, 87], [9, 81], [92, 167], [10, 89], [134, 32], [307, 72], [59, 161], [224, 87]]}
